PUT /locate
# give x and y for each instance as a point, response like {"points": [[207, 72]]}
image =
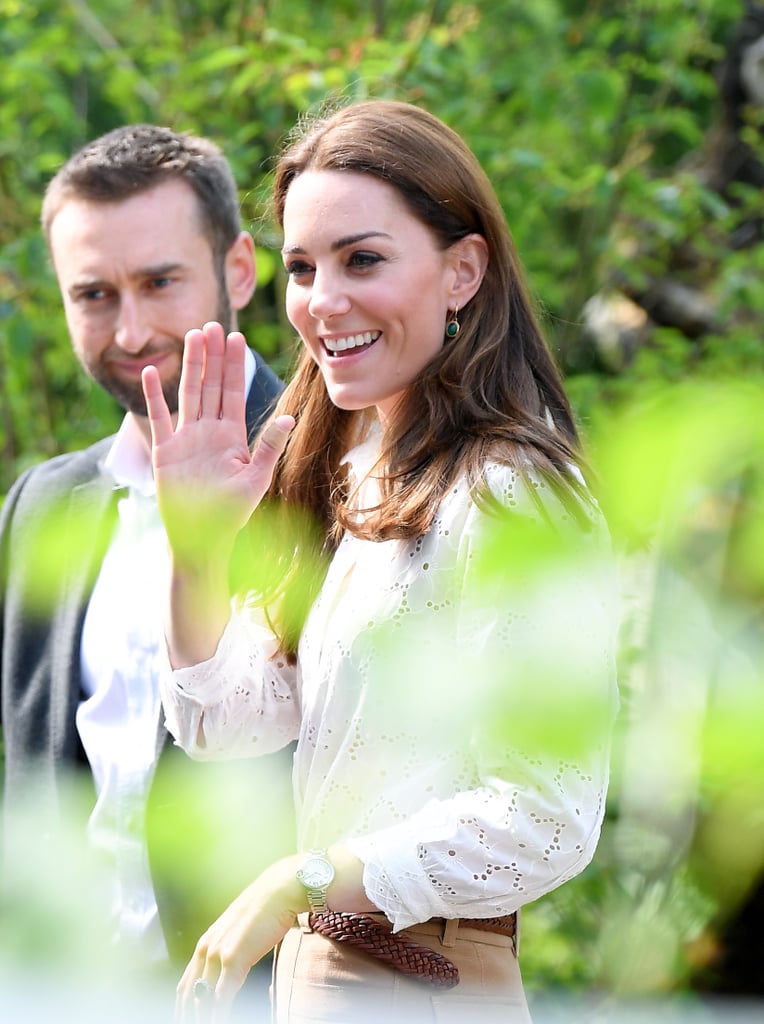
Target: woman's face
{"points": [[368, 288]]}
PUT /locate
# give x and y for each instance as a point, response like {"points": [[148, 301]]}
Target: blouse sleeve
{"points": [[534, 630], [242, 702]]}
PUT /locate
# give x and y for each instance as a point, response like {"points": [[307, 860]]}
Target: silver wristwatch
{"points": [[316, 874]]}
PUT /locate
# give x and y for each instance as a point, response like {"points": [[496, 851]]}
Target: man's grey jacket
{"points": [[63, 511]]}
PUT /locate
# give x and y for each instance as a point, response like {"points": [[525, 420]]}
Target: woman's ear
{"points": [[469, 260], [240, 271]]}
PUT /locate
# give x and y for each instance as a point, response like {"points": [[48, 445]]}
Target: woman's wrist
{"points": [[199, 608], [286, 892], [346, 892]]}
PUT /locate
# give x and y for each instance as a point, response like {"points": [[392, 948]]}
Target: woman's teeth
{"points": [[351, 341]]}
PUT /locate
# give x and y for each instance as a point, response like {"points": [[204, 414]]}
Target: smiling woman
{"points": [[449, 692], [370, 288]]}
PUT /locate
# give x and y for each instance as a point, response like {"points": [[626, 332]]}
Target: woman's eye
{"points": [[364, 259], [297, 268]]}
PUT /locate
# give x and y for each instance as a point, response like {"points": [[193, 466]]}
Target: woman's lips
{"points": [[350, 343]]}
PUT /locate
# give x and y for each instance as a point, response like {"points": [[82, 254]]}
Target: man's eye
{"points": [[160, 282]]}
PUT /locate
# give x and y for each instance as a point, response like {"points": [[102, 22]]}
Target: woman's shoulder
{"points": [[529, 490]]}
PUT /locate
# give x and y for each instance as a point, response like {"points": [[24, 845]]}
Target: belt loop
{"points": [[303, 920], [450, 928]]}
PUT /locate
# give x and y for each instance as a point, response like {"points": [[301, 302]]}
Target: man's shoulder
{"points": [[62, 472], [263, 394]]}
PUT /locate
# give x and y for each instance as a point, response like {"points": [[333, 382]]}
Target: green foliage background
{"points": [[586, 114], [580, 111]]}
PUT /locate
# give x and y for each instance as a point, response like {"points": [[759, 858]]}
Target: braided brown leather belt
{"points": [[411, 958]]}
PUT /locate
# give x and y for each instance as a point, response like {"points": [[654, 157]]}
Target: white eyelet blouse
{"points": [[451, 727]]}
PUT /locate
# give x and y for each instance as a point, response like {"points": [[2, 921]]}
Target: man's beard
{"points": [[129, 394]]}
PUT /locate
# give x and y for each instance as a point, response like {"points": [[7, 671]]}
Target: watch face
{"points": [[316, 873]]}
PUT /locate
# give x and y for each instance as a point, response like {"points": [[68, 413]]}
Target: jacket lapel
{"points": [[87, 529]]}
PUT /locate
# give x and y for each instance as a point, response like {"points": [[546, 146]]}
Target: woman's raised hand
{"points": [[208, 483]]}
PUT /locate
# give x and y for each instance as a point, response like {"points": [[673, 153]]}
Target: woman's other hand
{"points": [[252, 925], [243, 934]]}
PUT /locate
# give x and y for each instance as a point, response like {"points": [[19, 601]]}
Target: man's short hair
{"points": [[129, 160]]}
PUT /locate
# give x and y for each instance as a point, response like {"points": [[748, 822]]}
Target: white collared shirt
{"points": [[118, 723]]}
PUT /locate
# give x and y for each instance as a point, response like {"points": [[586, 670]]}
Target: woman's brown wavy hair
{"points": [[493, 392]]}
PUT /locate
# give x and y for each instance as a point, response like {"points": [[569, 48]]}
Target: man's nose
{"points": [[132, 330]]}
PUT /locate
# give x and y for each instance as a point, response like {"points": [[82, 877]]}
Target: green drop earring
{"points": [[453, 326]]}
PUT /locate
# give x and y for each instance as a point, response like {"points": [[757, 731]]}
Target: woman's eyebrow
{"points": [[340, 243]]}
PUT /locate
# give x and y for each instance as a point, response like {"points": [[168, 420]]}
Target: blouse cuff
{"points": [[394, 878], [201, 682]]}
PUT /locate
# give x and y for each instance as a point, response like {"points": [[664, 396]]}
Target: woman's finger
{"points": [[232, 399], [213, 371], [196, 996], [270, 445], [275, 436], [160, 421], [190, 387]]}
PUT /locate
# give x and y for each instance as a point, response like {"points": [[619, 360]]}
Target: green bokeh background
{"points": [[591, 118]]}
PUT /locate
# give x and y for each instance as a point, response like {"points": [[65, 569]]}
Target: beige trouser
{"points": [[319, 981]]}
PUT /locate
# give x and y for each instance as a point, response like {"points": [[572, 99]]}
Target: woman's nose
{"points": [[328, 296]]}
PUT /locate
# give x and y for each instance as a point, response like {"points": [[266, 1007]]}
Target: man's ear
{"points": [[469, 260], [240, 271]]}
